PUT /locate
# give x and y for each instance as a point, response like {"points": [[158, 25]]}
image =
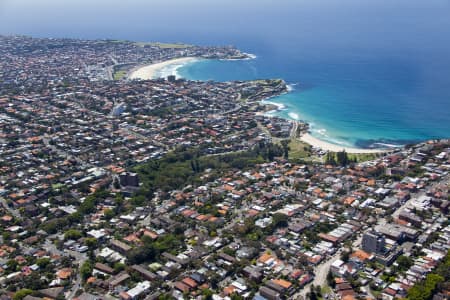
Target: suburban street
{"points": [[80, 258], [321, 271], [13, 211]]}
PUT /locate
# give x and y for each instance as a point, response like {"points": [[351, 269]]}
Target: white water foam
{"points": [[172, 69], [279, 106], [294, 116], [322, 131], [249, 57], [388, 145], [291, 87], [322, 134]]}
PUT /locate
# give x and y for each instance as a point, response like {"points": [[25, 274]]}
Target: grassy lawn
{"points": [[363, 156], [299, 149], [119, 74], [375, 293], [57, 186], [117, 41], [166, 45], [326, 289]]}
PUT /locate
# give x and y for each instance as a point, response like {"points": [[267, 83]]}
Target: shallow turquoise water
{"points": [[365, 101], [364, 72]]}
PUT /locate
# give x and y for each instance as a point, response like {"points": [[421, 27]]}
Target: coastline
{"points": [[273, 107], [315, 142], [147, 72], [249, 56]]}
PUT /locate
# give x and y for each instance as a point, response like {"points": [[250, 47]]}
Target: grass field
{"points": [[166, 45], [326, 290], [119, 74], [299, 149], [364, 156]]}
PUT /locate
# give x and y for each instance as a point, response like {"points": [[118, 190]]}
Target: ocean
{"points": [[370, 74], [367, 102]]}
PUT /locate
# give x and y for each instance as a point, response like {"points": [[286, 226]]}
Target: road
{"points": [[110, 69], [115, 62], [444, 180], [75, 287], [13, 211], [60, 152], [50, 247], [143, 137], [294, 130], [264, 130], [80, 259], [321, 271], [235, 109]]}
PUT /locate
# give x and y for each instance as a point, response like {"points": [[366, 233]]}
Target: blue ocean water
{"points": [[363, 73], [363, 101]]}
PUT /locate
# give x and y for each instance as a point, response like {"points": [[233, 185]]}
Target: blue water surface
{"points": [[364, 101], [365, 73]]}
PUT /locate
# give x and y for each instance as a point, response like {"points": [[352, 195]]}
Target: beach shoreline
{"points": [[272, 107], [318, 143], [147, 72]]}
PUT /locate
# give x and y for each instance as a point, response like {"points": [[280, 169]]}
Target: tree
{"points": [[119, 202], [118, 266], [43, 262], [319, 290], [342, 158], [312, 293], [116, 183], [88, 206], [345, 256], [19, 295], [91, 242], [280, 220], [207, 294], [404, 262], [76, 217], [86, 270], [329, 159], [138, 200], [109, 214], [425, 289], [66, 262], [235, 296], [33, 282], [285, 146], [330, 279], [12, 264], [165, 297], [72, 234], [142, 254]]}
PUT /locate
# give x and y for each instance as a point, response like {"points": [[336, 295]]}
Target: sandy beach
{"points": [[149, 71], [315, 142]]}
